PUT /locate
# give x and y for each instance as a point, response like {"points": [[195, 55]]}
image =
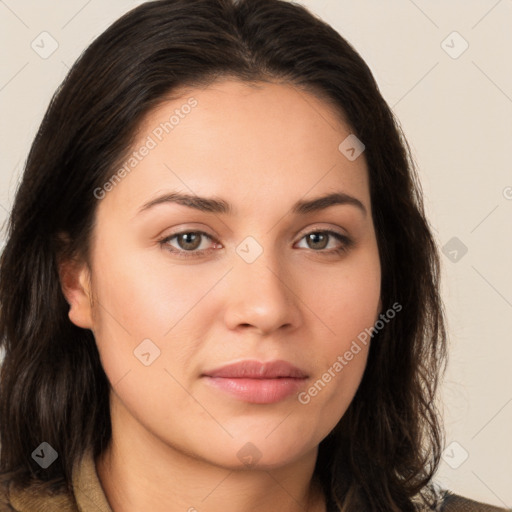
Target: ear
{"points": [[75, 283]]}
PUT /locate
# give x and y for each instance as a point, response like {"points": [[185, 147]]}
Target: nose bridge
{"points": [[259, 293]]}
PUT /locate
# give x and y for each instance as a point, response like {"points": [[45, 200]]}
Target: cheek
{"points": [[141, 298], [349, 310], [347, 303], [345, 298]]}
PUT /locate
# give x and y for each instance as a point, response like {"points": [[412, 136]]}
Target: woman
{"points": [[219, 290]]}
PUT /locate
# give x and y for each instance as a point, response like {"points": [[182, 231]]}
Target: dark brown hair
{"points": [[387, 446]]}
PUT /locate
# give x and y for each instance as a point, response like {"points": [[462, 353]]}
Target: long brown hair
{"points": [[387, 446]]}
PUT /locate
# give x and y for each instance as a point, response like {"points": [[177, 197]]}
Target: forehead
{"points": [[256, 143]]}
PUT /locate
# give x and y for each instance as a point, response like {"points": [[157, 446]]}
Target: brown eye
{"points": [[317, 240], [189, 241], [186, 243]]}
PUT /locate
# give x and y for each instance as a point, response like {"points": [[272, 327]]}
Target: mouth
{"points": [[257, 383]]}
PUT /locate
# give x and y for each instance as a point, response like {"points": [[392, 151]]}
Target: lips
{"points": [[257, 370], [255, 382]]}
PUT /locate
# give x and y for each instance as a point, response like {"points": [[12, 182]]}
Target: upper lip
{"points": [[257, 370]]}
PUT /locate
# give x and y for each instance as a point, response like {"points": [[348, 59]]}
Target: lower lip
{"points": [[258, 391]]}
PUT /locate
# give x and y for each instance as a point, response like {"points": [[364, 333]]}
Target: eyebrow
{"points": [[217, 205]]}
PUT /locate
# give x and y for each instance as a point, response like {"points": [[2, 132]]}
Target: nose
{"points": [[261, 295]]}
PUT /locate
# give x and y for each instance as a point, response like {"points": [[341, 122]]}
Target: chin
{"points": [[259, 453]]}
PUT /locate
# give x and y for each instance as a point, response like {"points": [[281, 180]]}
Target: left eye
{"points": [[189, 242], [321, 238]]}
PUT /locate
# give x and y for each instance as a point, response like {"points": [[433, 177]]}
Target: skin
{"points": [[176, 438]]}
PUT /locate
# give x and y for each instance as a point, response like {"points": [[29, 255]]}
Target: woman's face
{"points": [[263, 281]]}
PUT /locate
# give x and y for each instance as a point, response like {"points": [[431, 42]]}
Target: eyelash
{"points": [[164, 242]]}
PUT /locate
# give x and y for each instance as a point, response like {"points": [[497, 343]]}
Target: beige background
{"points": [[457, 115]]}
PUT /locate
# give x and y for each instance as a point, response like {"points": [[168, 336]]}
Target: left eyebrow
{"points": [[320, 203], [217, 205]]}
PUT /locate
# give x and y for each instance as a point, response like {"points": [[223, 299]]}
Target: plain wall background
{"points": [[456, 111]]}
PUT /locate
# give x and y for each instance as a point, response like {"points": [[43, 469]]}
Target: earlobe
{"points": [[76, 287]]}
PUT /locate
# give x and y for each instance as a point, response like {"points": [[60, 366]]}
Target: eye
{"points": [[189, 244], [318, 240]]}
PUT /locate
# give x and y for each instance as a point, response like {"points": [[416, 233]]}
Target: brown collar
{"points": [[88, 493]]}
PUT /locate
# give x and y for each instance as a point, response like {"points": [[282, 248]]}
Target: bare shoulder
{"points": [[455, 503]]}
